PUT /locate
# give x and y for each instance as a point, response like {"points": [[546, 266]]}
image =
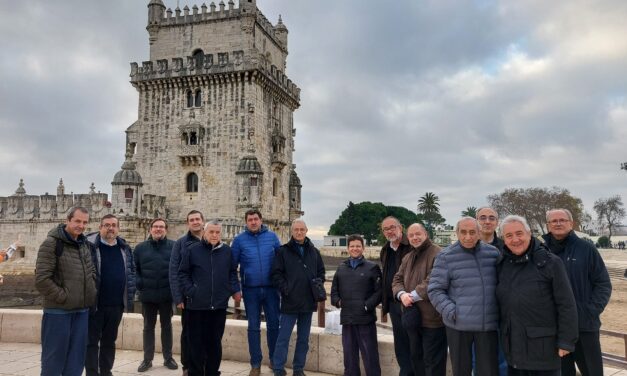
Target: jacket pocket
{"points": [[541, 342]]}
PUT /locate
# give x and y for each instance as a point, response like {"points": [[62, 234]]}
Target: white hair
{"points": [[467, 219], [514, 218]]}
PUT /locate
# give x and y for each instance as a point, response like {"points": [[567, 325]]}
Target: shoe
{"points": [[184, 372], [299, 373], [171, 364], [280, 373], [255, 371], [145, 366]]}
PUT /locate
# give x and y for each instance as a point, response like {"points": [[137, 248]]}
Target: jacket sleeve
{"points": [[567, 324], [234, 281], [131, 280], [398, 281], [173, 273], [44, 272], [185, 274], [421, 288], [335, 289], [321, 272], [601, 285], [139, 283], [278, 273], [373, 300], [277, 243], [438, 288]]}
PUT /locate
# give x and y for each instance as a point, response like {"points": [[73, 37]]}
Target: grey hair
{"points": [[419, 225], [214, 222], [467, 219], [565, 211], [398, 223], [487, 207], [514, 218], [298, 220]]}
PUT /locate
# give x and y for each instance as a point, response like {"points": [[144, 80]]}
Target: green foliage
{"points": [[429, 212], [470, 211], [604, 242], [365, 218]]}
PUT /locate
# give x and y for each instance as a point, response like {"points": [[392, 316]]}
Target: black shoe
{"points": [[145, 366], [280, 373], [298, 373], [171, 364]]}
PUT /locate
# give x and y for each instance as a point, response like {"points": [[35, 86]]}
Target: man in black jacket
{"points": [[591, 286], [356, 289], [392, 253], [295, 265], [208, 276], [152, 264]]}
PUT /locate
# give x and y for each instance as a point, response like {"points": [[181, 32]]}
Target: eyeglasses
{"points": [[158, 226], [490, 218], [110, 225], [559, 221], [389, 228]]}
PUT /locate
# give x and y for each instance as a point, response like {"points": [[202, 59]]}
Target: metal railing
{"points": [[614, 359]]}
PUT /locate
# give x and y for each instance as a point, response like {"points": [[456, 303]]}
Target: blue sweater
{"points": [[112, 276], [254, 252]]}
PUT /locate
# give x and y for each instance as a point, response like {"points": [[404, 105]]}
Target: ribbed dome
{"points": [[127, 175], [249, 164], [294, 180], [156, 2]]}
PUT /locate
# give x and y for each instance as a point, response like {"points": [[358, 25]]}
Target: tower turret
{"points": [[248, 6], [156, 12], [280, 31], [126, 186]]}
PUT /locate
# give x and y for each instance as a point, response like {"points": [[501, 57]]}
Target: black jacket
{"points": [[208, 276], [179, 247], [291, 275], [152, 266], [357, 291], [388, 271], [538, 314], [588, 278]]}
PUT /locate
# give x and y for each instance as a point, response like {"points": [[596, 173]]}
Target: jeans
{"points": [[256, 298], [149, 311], [102, 333], [288, 320], [63, 343]]}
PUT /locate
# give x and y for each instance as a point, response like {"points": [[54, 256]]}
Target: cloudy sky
{"points": [[461, 98]]}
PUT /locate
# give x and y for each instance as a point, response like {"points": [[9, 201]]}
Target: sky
{"points": [[460, 98]]}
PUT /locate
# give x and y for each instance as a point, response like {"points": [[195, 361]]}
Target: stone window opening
{"points": [[192, 182], [193, 139], [197, 98], [128, 195], [190, 99], [198, 56], [253, 181], [275, 187]]}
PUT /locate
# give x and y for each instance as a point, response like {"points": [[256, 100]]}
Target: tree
{"points": [[365, 219], [429, 211], [470, 211], [610, 212], [533, 203]]}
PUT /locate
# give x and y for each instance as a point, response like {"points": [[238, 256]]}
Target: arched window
{"points": [[275, 187], [128, 194], [190, 99], [253, 181], [199, 57], [197, 98], [193, 139], [192, 182]]}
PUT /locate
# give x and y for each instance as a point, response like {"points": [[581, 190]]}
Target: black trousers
{"points": [[101, 335], [206, 329], [486, 352], [587, 355], [401, 340], [150, 311], [356, 339], [519, 372], [428, 351], [184, 340]]}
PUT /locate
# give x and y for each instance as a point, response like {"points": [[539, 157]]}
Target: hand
{"points": [[180, 306], [562, 353], [406, 299], [339, 304], [237, 297]]}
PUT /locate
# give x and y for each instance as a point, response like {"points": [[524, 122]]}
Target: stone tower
{"points": [[215, 129]]}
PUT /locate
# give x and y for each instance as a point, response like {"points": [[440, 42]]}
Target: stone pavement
{"points": [[24, 359]]}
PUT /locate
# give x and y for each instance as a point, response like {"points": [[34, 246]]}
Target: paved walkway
{"points": [[24, 359]]}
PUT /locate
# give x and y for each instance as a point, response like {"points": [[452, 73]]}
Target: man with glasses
{"points": [[591, 286], [393, 251], [488, 220], [115, 283], [152, 261]]}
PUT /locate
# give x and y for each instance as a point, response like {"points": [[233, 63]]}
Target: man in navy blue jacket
{"points": [[591, 286], [254, 251], [208, 276]]}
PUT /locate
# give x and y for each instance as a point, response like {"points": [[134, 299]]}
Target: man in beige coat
{"points": [[428, 338]]}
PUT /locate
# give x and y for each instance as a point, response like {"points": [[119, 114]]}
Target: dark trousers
{"points": [[206, 329], [428, 351], [401, 341], [486, 352], [184, 340], [587, 355], [149, 311], [63, 342], [102, 333], [520, 372], [356, 339]]}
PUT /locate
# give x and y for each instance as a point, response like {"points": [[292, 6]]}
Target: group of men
{"points": [[502, 306], [87, 282]]}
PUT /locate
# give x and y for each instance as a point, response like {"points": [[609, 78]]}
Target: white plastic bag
{"points": [[332, 323]]}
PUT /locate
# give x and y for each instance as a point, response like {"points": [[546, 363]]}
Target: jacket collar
{"points": [[262, 229]]}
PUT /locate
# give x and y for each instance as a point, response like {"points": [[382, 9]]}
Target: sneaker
{"points": [[171, 364], [299, 373], [255, 371], [145, 366]]}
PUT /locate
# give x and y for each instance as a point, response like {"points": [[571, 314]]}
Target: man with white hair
{"points": [[296, 264], [591, 286], [462, 289]]}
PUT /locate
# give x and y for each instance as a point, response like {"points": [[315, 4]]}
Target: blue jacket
{"points": [[152, 262], [208, 276], [588, 278], [462, 287], [129, 263], [254, 252], [180, 245]]}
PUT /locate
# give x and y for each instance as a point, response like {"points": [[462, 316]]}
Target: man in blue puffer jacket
{"points": [[462, 289], [254, 251]]}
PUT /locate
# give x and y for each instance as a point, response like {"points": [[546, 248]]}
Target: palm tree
{"points": [[429, 203], [470, 211]]}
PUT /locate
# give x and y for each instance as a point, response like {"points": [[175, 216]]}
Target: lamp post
{"points": [[623, 166]]}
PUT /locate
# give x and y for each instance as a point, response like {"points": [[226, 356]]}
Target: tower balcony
{"points": [[279, 160]]}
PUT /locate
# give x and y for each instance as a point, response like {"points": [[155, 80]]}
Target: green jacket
{"points": [[69, 281]]}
